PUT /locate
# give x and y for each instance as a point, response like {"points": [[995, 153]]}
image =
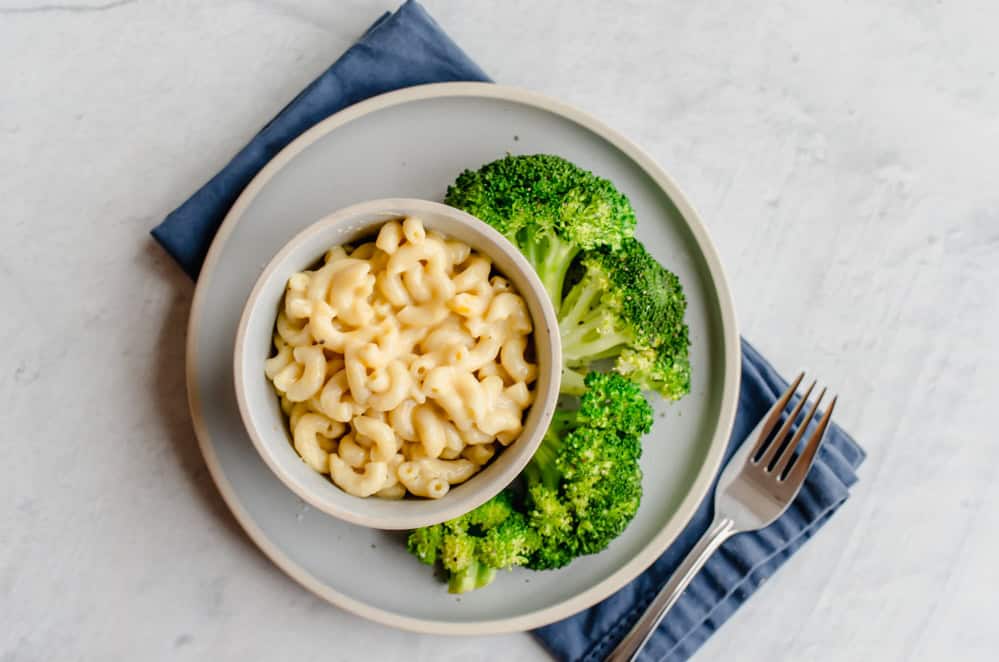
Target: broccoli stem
{"points": [[587, 342], [572, 382], [550, 256], [578, 303], [563, 422], [541, 468], [484, 576], [584, 327], [464, 579], [474, 575]]}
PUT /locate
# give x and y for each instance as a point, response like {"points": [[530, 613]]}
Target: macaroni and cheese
{"points": [[403, 364]]}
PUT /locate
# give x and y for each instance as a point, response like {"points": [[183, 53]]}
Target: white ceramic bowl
{"points": [[261, 411]]}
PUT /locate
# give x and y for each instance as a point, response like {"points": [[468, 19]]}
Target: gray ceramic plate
{"points": [[412, 143]]}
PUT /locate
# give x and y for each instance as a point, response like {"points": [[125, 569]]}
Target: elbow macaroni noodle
{"points": [[402, 365]]}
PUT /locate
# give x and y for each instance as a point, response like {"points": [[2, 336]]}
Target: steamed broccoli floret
{"points": [[613, 403], [508, 544], [425, 543], [624, 305], [584, 483], [492, 513], [457, 551], [548, 207], [460, 557], [471, 548], [629, 308]]}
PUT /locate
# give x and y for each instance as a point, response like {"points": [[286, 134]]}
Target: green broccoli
{"points": [[460, 558], [508, 544], [548, 207], [471, 548], [584, 484], [624, 305], [425, 543], [492, 513], [612, 403], [627, 307]]}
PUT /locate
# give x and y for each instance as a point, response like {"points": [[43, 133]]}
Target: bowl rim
{"points": [[545, 331], [627, 571]]}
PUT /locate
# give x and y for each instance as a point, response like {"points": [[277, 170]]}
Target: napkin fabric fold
{"points": [[408, 48]]}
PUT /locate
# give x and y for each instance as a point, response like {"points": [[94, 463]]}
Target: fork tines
{"points": [[772, 454]]}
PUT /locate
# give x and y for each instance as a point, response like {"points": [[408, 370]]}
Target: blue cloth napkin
{"points": [[408, 48]]}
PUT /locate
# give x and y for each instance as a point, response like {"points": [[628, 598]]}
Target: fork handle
{"points": [[629, 648]]}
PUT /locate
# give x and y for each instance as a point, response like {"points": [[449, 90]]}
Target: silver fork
{"points": [[756, 487]]}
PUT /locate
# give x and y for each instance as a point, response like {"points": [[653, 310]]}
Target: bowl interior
{"points": [[261, 410]]}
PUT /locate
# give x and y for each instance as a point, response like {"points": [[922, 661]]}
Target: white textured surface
{"points": [[843, 156]]}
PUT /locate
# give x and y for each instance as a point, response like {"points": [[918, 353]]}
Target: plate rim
{"points": [[730, 341]]}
